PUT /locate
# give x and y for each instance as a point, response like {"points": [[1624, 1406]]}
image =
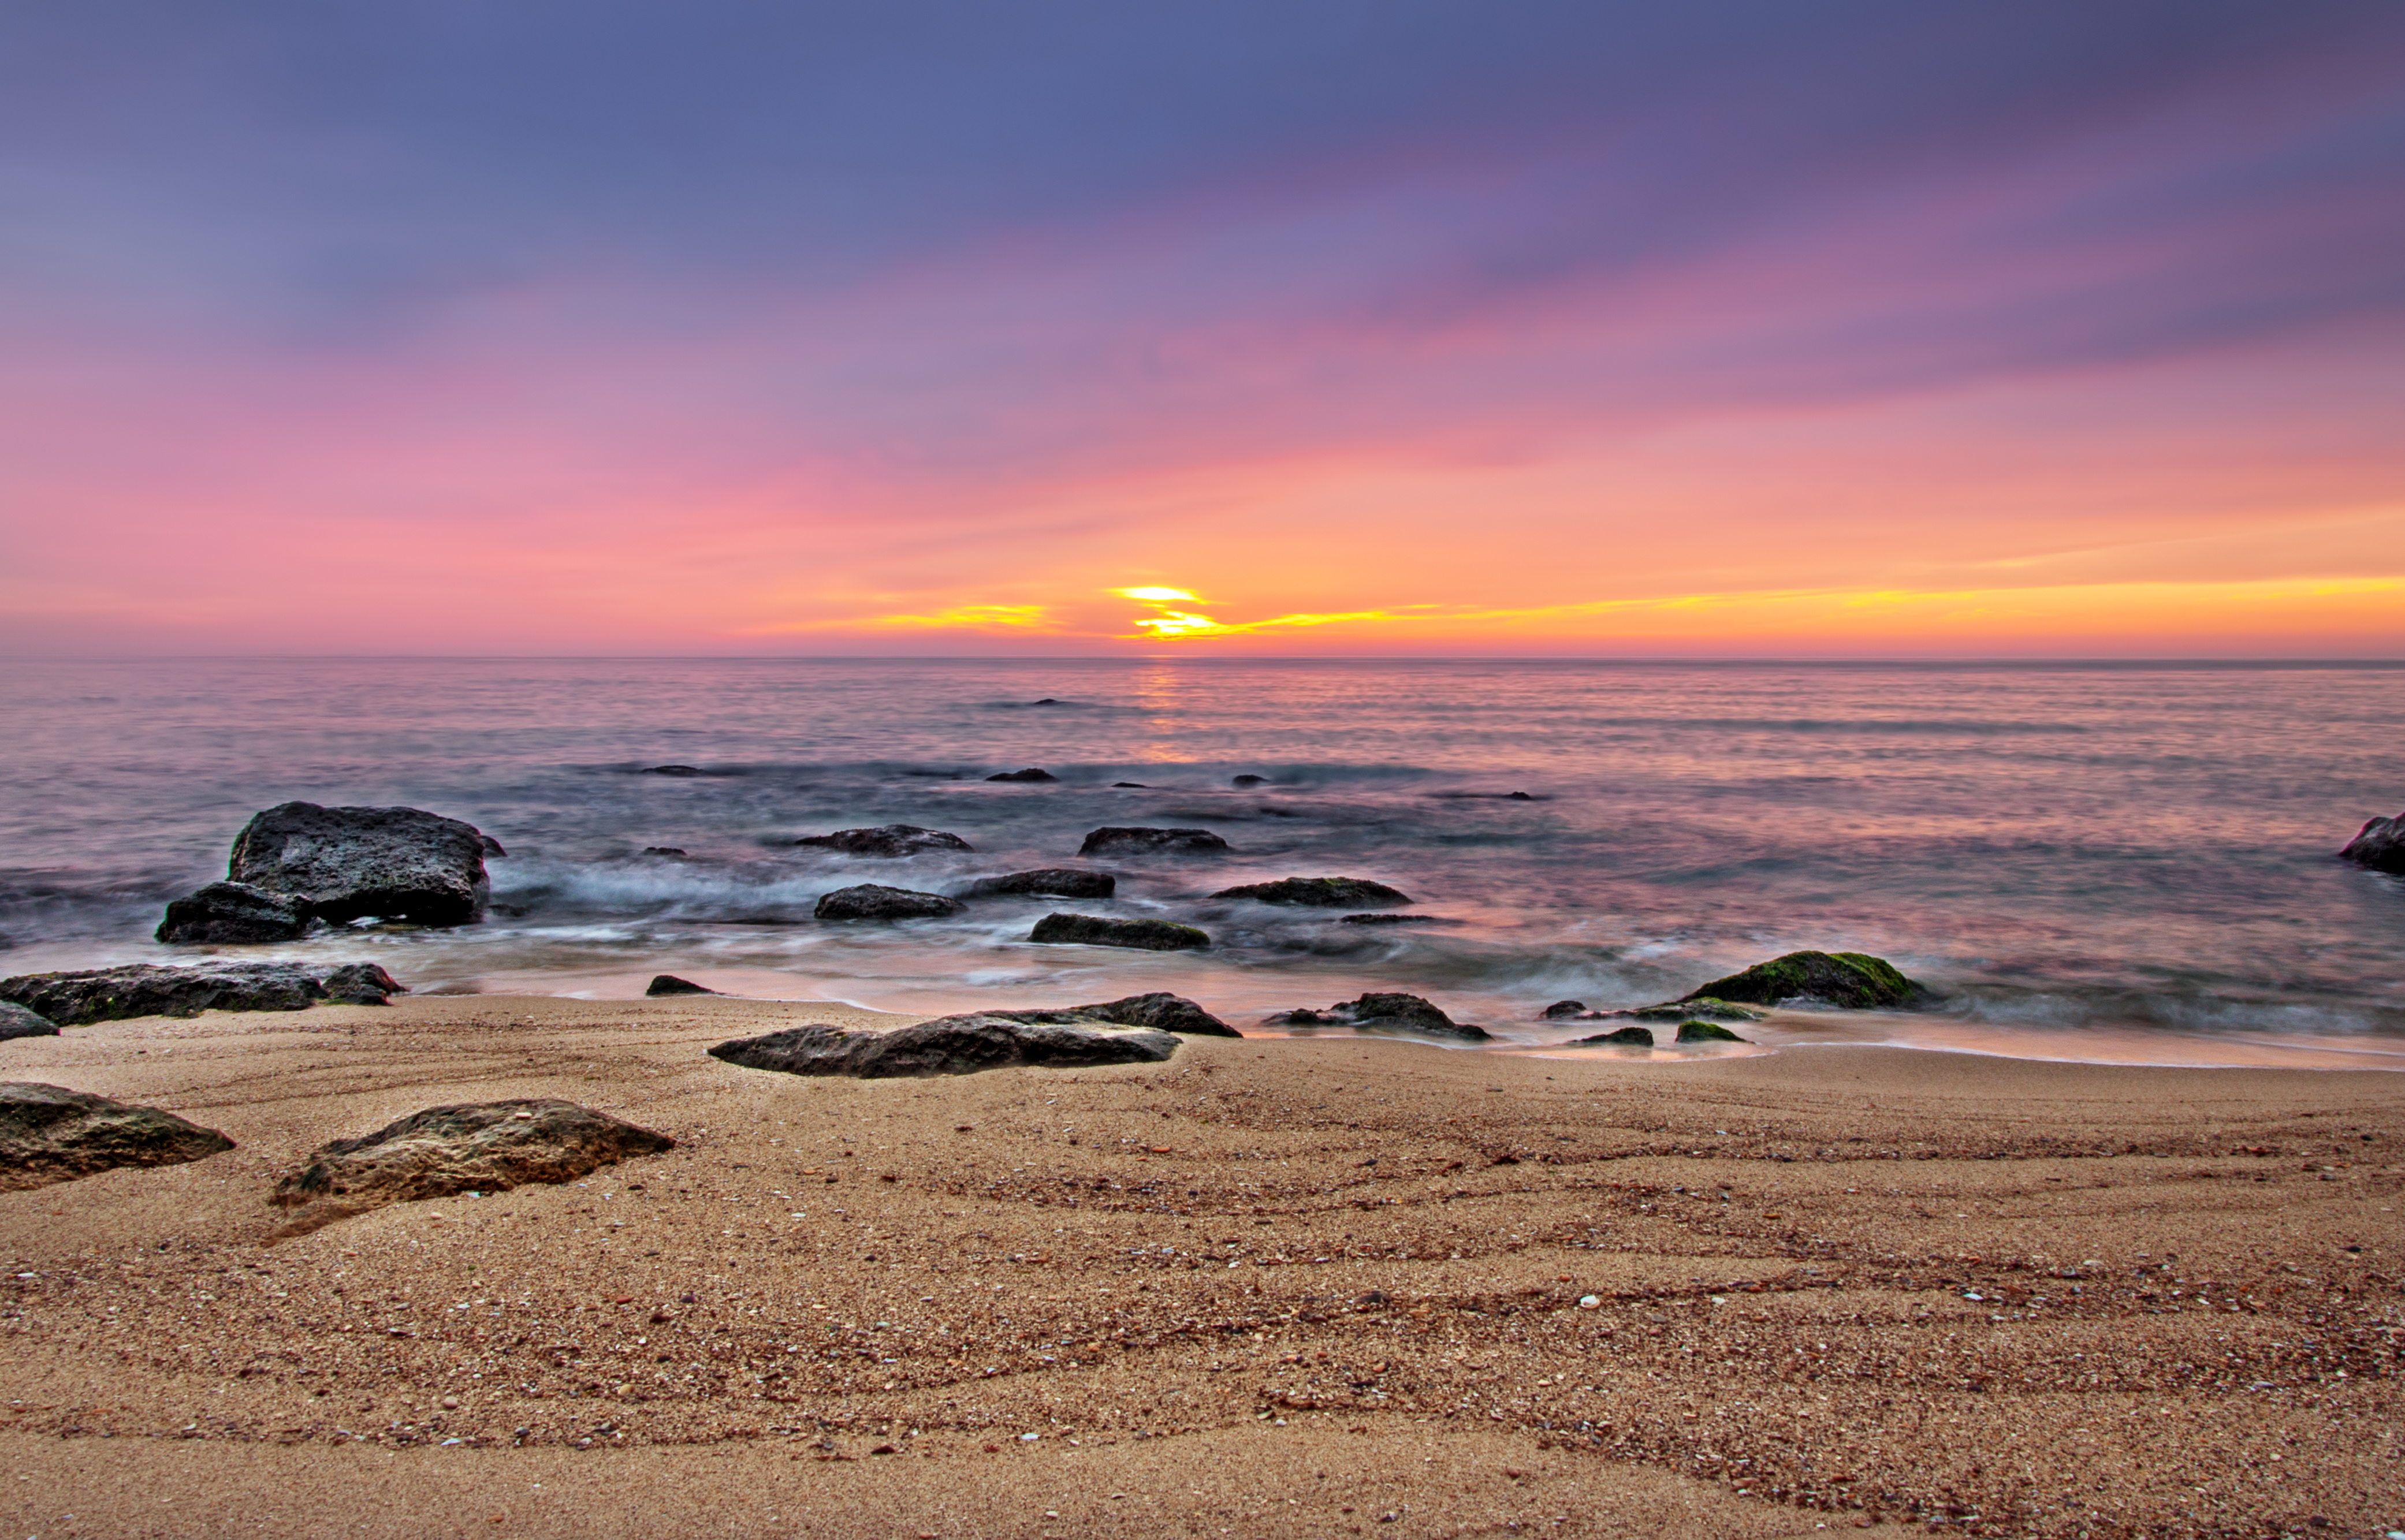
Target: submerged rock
{"points": [[1627, 1037], [1160, 1010], [1057, 881], [2379, 845], [1703, 1007], [1705, 1031], [668, 984], [949, 1046], [1384, 1013], [681, 772], [874, 901], [1247, 780], [1396, 919], [1031, 774], [233, 913], [1176, 842], [1561, 1008], [16, 1022], [479, 1147], [673, 852], [1130, 786], [48, 1133], [1150, 935], [1320, 892], [1852, 980], [347, 863], [361, 984], [888, 840]]}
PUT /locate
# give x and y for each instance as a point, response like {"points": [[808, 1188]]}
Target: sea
{"points": [[2101, 862]]}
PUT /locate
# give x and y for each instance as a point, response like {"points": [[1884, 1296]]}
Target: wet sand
{"points": [[1269, 1288]]}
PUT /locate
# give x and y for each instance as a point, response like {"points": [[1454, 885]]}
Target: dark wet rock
{"points": [[1047, 701], [1150, 935], [16, 1022], [1248, 781], [681, 772], [48, 1133], [1161, 1010], [1057, 881], [890, 840], [1854, 981], [1706, 1032], [1267, 812], [949, 1046], [875, 901], [393, 862], [668, 984], [361, 984], [144, 989], [475, 1147], [677, 852], [1561, 1008], [1396, 919], [1178, 842], [1320, 892], [1130, 786], [1384, 1013], [2379, 845], [1030, 774], [233, 913], [1625, 1037], [1518, 796], [1703, 1007]]}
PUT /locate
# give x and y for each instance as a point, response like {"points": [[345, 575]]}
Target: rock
{"points": [[675, 851], [393, 862], [48, 1133], [949, 1046], [233, 913], [681, 772], [1703, 1007], [1320, 892], [1627, 1037], [1517, 796], [874, 901], [361, 984], [1561, 1008], [890, 840], [1058, 881], [1161, 1010], [1130, 786], [1384, 1013], [1181, 842], [1029, 774], [2379, 845], [16, 1022], [1395, 920], [1150, 935], [480, 1147], [1853, 981], [668, 984], [144, 989], [1248, 781], [1705, 1031]]}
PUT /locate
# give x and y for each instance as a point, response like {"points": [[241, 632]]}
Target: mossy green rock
{"points": [[1705, 1031], [1700, 1006], [1854, 981]]}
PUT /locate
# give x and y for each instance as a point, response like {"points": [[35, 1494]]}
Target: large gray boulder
{"points": [[16, 1022], [145, 989], [1057, 881], [478, 1147], [1320, 893], [1160, 1011], [348, 863], [1147, 935], [1175, 842], [889, 841], [1854, 981], [874, 901], [2379, 845], [1384, 1013], [949, 1046], [234, 913], [48, 1133]]}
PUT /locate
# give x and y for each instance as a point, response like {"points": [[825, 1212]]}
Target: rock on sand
{"points": [[48, 1133], [949, 1046], [1161, 1010], [1854, 981], [1384, 1013], [16, 1022], [145, 989]]}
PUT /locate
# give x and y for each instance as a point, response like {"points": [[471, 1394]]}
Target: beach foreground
{"points": [[1285, 1287]]}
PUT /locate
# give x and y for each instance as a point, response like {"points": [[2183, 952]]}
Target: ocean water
{"points": [[2109, 862]]}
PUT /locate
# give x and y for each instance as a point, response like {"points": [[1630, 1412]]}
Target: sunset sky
{"points": [[1338, 327]]}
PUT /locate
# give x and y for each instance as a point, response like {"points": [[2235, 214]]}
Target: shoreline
{"points": [[1210, 1273]]}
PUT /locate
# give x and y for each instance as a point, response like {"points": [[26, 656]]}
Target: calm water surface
{"points": [[2115, 862]]}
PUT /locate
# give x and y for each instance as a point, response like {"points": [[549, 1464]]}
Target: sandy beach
{"points": [[1348, 1285]]}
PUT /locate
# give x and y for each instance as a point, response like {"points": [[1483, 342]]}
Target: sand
{"points": [[1337, 1286]]}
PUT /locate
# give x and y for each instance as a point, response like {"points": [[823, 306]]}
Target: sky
{"points": [[1857, 327]]}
